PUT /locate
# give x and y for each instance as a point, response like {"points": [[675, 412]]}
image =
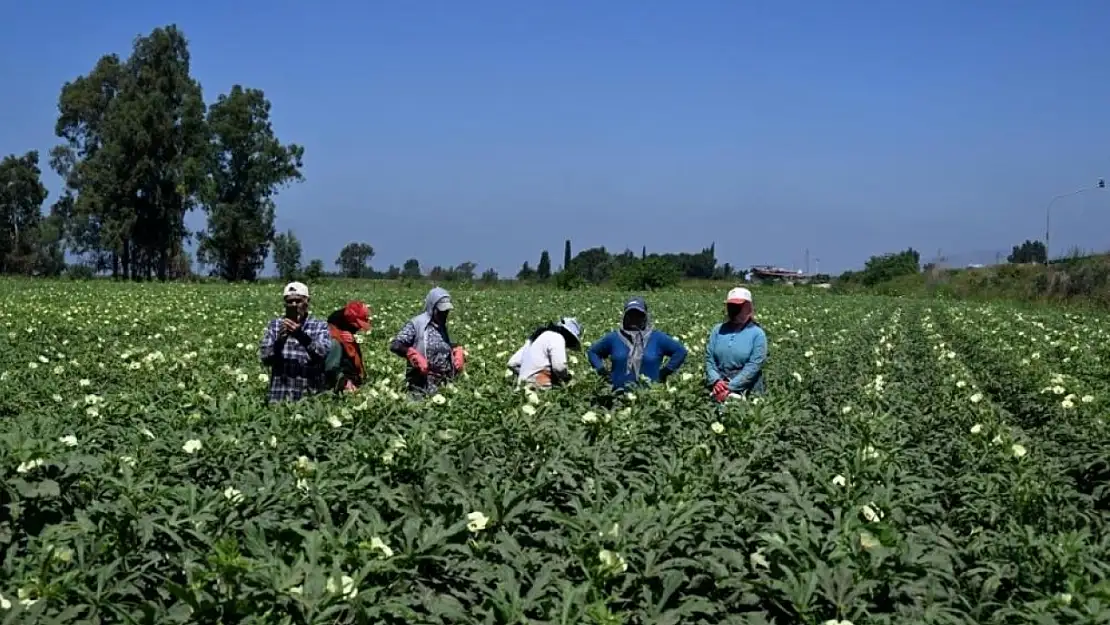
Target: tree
{"points": [[133, 155], [354, 260], [411, 270], [314, 270], [566, 255], [1028, 252], [464, 272], [526, 273], [591, 265], [287, 255], [543, 270], [654, 272], [879, 269], [21, 196], [489, 276], [51, 259], [246, 164]]}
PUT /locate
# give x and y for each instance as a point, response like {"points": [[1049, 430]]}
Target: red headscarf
{"points": [[357, 315]]}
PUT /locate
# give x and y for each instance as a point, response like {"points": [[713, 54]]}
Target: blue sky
{"points": [[490, 130]]}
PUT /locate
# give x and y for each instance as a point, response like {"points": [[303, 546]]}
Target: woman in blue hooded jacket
{"points": [[636, 349], [736, 350]]}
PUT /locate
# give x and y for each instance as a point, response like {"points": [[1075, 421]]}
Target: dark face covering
{"points": [[634, 320], [739, 314], [440, 317], [296, 308]]}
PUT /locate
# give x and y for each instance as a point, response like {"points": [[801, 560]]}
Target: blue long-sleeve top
{"points": [[736, 355], [660, 345]]}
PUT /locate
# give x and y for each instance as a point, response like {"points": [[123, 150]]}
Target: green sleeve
{"points": [[335, 354]]}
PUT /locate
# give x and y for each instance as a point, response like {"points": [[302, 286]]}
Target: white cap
{"points": [[739, 295], [295, 288], [571, 324], [444, 303]]}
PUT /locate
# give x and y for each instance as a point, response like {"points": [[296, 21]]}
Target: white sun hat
{"points": [[295, 288], [739, 295]]}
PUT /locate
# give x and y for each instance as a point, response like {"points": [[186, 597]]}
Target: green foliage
{"points": [[287, 255], [21, 196], [489, 276], [566, 255], [314, 270], [543, 270], [134, 155], [354, 260], [139, 153], [912, 462], [526, 273], [461, 273], [651, 273], [1028, 252], [884, 268], [247, 165], [411, 270], [569, 281]]}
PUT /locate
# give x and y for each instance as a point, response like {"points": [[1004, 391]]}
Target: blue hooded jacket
{"points": [[636, 353]]}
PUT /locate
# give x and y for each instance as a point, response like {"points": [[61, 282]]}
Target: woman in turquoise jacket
{"points": [[636, 349], [736, 350]]}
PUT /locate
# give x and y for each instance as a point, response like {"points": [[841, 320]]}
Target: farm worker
{"points": [[424, 342], [294, 347], [344, 367], [736, 350], [542, 361], [636, 350]]}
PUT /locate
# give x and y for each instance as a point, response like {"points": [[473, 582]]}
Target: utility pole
{"points": [[1048, 213], [807, 261]]}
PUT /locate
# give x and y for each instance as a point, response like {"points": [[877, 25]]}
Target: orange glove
{"points": [[417, 360], [720, 390], [458, 358], [349, 387], [346, 337]]}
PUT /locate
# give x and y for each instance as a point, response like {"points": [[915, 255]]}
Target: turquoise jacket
{"points": [[737, 356]]}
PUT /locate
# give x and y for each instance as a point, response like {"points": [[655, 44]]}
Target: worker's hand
{"points": [[288, 327], [346, 337], [720, 390], [417, 360], [458, 358], [349, 387]]}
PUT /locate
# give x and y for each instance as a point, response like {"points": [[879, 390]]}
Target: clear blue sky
{"points": [[489, 130]]}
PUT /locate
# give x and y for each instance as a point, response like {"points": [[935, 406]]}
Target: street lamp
{"points": [[1048, 212]]}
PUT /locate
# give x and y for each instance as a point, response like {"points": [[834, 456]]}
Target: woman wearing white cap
{"points": [[736, 350], [542, 361]]}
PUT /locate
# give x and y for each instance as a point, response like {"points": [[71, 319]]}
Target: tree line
{"points": [[139, 150], [591, 266]]}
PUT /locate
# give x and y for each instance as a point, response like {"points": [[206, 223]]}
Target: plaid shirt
{"points": [[295, 369]]}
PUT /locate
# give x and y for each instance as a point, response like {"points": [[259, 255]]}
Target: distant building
{"points": [[767, 274]]}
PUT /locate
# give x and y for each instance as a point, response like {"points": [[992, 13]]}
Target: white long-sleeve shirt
{"points": [[536, 360]]}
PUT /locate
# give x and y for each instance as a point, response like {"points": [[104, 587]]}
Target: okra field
{"points": [[914, 461]]}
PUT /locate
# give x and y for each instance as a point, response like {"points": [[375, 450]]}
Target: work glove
{"points": [[346, 337], [720, 390], [417, 360], [458, 358]]}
